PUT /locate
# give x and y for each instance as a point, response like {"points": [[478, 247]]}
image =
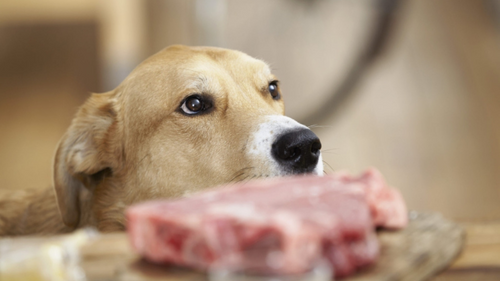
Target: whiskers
{"points": [[331, 150], [247, 174], [319, 126], [244, 174], [325, 151], [325, 164]]}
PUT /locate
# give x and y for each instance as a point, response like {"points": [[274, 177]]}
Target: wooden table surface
{"points": [[427, 245], [480, 258]]}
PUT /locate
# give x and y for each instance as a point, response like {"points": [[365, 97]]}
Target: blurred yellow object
{"points": [[52, 259]]}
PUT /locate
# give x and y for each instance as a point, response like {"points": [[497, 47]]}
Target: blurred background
{"points": [[410, 87]]}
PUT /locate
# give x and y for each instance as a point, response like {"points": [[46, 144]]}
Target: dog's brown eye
{"points": [[273, 89], [194, 104]]}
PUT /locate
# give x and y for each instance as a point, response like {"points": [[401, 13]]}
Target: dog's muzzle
{"points": [[297, 151], [285, 147]]}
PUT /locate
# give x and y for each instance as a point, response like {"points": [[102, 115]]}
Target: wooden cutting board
{"points": [[424, 248]]}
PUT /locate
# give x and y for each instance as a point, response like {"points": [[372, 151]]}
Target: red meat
{"points": [[278, 226]]}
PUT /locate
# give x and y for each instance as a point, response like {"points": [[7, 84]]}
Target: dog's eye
{"points": [[273, 89], [194, 104]]}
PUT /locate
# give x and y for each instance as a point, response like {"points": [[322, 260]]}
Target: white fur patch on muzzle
{"points": [[268, 132]]}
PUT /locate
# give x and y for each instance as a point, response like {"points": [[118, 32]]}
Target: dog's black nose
{"points": [[297, 151]]}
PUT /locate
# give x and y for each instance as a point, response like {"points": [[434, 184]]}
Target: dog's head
{"points": [[186, 119]]}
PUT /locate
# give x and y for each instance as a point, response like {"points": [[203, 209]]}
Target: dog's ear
{"points": [[87, 149]]}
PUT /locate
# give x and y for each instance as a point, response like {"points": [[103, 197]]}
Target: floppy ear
{"points": [[86, 149]]}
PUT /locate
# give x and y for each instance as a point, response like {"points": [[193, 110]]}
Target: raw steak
{"points": [[387, 206], [278, 226]]}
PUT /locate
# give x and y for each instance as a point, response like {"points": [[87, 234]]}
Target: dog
{"points": [[186, 119]]}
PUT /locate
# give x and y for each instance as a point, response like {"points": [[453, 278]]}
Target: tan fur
{"points": [[30, 211], [132, 144]]}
